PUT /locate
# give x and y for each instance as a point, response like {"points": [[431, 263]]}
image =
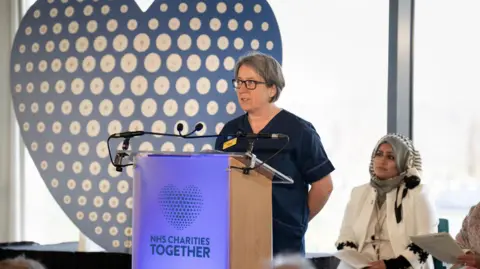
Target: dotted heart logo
{"points": [[180, 208], [84, 69]]}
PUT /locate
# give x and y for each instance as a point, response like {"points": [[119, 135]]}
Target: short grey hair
{"points": [[21, 262], [291, 260], [267, 67]]}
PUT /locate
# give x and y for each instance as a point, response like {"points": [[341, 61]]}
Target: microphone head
{"points": [[198, 127], [180, 128]]}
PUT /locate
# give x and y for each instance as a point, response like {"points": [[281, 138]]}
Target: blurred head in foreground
{"points": [[20, 263], [291, 261]]}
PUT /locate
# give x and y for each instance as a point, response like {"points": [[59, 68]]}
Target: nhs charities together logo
{"points": [[84, 69], [198, 247], [180, 209]]}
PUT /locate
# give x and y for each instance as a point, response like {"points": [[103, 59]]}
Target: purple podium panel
{"points": [[181, 212]]}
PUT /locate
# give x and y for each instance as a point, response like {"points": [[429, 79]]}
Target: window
{"points": [[44, 220], [335, 65], [446, 114]]}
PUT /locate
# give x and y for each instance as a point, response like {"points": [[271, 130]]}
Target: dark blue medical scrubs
{"points": [[304, 160]]}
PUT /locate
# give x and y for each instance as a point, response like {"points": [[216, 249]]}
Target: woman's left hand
{"points": [[470, 260], [377, 265]]}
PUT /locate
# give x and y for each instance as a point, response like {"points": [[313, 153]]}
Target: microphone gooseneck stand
{"points": [[252, 159]]}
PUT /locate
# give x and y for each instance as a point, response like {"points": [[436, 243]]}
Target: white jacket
{"points": [[418, 217]]}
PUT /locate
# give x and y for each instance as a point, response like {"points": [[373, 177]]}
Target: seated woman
{"points": [[469, 239], [382, 214]]}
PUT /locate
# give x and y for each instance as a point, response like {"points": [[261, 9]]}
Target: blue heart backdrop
{"points": [[84, 69]]}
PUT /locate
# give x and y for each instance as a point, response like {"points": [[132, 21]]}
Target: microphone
{"points": [[180, 128], [238, 134], [251, 144], [260, 135], [119, 156], [198, 127], [251, 156], [128, 134], [117, 163]]}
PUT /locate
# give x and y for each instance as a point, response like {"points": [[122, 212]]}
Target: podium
{"points": [[200, 210]]}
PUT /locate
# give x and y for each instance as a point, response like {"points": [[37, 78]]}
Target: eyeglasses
{"points": [[249, 84]]}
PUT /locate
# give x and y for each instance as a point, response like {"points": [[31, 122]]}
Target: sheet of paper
{"points": [[440, 245], [353, 258]]}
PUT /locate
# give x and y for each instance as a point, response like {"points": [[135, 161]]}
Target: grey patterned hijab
{"points": [[408, 162]]}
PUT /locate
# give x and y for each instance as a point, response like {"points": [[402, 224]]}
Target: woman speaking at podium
{"points": [[259, 82]]}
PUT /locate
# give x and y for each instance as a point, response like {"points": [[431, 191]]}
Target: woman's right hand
{"points": [[469, 259], [456, 266]]}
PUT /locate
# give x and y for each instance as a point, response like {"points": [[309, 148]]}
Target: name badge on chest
{"points": [[229, 143]]}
